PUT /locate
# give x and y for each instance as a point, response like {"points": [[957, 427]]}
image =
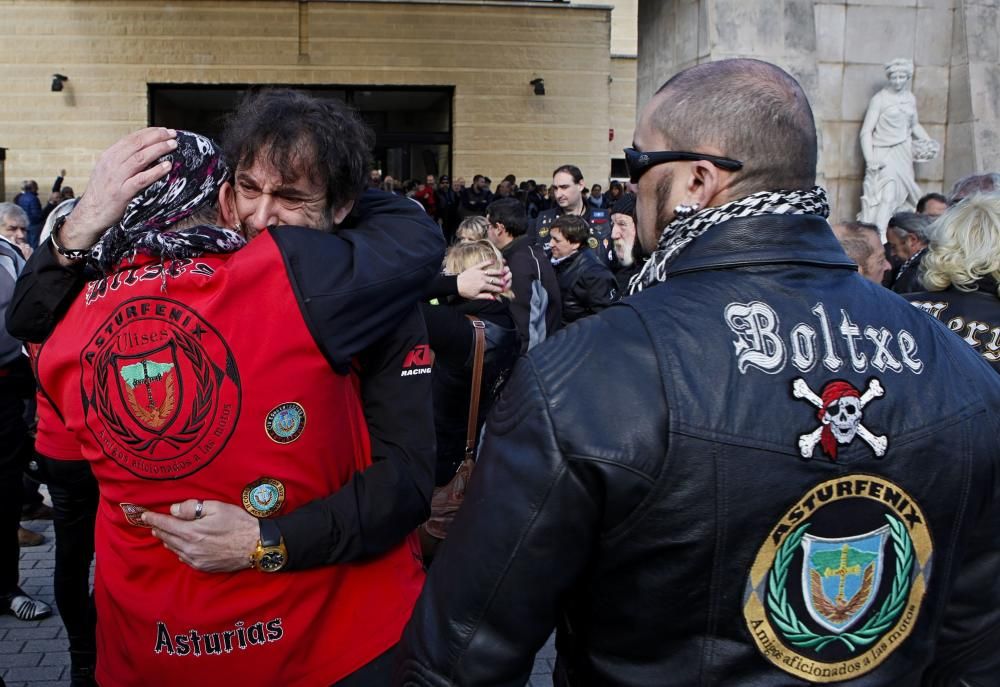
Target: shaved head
{"points": [[748, 110]]}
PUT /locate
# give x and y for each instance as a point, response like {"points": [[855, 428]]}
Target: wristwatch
{"points": [[271, 554]]}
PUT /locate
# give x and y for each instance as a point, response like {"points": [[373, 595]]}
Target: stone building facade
{"points": [[837, 49], [480, 54]]}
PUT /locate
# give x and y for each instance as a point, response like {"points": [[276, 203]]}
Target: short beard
{"points": [[664, 214]]}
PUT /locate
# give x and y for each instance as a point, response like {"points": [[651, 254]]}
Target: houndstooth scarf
{"points": [[683, 230], [197, 171]]}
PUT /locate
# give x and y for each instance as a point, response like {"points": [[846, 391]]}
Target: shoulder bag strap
{"points": [[479, 328]]}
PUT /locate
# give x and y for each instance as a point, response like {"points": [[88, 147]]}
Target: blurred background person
{"points": [[586, 285], [932, 204], [861, 243], [907, 238], [472, 229], [627, 260], [961, 271]]}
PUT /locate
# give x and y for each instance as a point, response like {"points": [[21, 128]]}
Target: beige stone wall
{"points": [[112, 50], [837, 49], [622, 106]]}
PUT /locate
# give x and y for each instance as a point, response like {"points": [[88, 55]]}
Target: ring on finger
{"points": [[199, 507]]}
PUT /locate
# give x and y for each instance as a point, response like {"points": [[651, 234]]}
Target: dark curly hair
{"points": [[295, 133]]}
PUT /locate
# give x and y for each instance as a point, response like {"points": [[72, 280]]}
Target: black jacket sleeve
{"points": [[44, 291], [355, 286], [442, 286], [449, 332], [382, 504]]}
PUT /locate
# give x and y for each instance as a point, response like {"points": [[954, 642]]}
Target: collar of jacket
{"points": [[763, 240]]}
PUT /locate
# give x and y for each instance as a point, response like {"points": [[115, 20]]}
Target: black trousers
{"points": [[14, 449], [74, 503]]}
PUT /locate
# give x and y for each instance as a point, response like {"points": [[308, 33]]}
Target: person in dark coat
{"points": [[627, 258], [586, 285], [907, 237], [537, 304], [961, 271], [452, 338]]}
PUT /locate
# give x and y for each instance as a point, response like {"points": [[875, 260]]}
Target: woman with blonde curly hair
{"points": [[961, 270]]}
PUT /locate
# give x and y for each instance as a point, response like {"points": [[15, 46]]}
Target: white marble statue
{"points": [[892, 140]]}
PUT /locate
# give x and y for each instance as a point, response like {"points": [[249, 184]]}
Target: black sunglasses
{"points": [[637, 163]]}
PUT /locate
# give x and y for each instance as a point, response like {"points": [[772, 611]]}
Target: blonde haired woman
{"points": [[452, 338], [471, 229], [961, 270]]}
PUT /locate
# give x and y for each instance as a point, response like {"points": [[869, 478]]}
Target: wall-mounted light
{"points": [[57, 82], [539, 85]]}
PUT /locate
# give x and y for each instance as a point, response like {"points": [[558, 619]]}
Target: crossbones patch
{"points": [[839, 410]]}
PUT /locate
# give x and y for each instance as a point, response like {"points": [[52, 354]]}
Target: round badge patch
{"points": [[836, 588], [264, 497], [592, 242], [284, 424], [161, 390], [543, 232]]}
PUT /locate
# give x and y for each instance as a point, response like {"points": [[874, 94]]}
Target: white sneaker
{"points": [[25, 608]]}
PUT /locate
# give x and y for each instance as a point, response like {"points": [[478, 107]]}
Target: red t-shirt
{"points": [[201, 385]]}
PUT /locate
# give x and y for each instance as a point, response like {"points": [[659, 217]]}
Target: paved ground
{"points": [[34, 654]]}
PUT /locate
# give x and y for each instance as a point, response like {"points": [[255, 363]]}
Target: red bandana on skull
{"points": [[833, 391]]}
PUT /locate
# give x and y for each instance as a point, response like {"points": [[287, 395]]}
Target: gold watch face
{"points": [[272, 560]]}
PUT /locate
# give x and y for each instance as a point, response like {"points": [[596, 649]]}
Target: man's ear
{"points": [[704, 183], [227, 205], [341, 213]]}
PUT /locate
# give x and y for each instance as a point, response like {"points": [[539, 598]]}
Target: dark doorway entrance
{"points": [[412, 124]]}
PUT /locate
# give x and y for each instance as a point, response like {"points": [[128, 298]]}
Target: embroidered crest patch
{"points": [[264, 497], [133, 514], [839, 410], [837, 585], [543, 232], [285, 423], [161, 392]]}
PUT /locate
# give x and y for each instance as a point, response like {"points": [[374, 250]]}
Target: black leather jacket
{"points": [[973, 315], [587, 286], [684, 514], [600, 229]]}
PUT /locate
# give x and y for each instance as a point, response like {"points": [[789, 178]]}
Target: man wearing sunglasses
{"points": [[762, 498]]}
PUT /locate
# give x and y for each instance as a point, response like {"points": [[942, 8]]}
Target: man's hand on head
{"points": [[221, 540], [122, 171]]}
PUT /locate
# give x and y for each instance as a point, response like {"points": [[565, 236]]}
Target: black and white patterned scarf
{"points": [[682, 231], [197, 171]]}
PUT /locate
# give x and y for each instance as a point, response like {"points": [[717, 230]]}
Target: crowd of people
{"points": [[318, 428]]}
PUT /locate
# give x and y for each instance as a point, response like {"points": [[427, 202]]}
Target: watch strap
{"points": [[270, 535]]}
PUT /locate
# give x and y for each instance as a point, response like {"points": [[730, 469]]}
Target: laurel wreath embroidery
{"points": [[201, 407], [798, 634]]}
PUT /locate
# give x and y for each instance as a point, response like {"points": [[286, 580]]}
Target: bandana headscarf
{"points": [[197, 171], [683, 230]]}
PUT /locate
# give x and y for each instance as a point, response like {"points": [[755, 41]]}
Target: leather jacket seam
{"points": [[612, 462]]}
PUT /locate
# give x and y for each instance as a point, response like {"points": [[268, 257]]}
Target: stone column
{"points": [[973, 132]]}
